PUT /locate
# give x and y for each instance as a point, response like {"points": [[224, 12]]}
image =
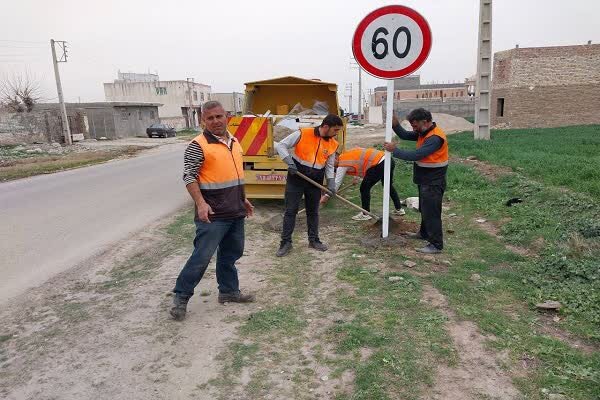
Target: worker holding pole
{"points": [[429, 173], [368, 165], [310, 151]]}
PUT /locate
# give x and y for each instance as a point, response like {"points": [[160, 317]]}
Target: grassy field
{"points": [[567, 157]]}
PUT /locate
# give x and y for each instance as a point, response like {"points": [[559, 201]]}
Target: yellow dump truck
{"points": [[288, 102]]}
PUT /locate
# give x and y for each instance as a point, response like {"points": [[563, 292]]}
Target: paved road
{"points": [[50, 223]]}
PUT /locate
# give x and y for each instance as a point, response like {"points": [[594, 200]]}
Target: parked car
{"points": [[160, 130]]}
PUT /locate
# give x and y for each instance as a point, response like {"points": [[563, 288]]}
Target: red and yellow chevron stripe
{"points": [[251, 132]]}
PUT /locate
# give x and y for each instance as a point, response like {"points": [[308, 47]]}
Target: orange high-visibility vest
{"points": [[222, 167], [221, 177], [312, 150], [359, 160], [440, 157]]}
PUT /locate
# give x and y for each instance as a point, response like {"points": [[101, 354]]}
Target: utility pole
{"points": [[354, 65], [63, 58], [192, 123], [484, 72], [349, 90]]}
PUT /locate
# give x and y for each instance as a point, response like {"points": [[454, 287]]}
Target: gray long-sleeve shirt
{"points": [[421, 176], [284, 146], [430, 146]]}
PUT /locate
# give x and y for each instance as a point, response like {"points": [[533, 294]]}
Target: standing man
{"points": [[369, 165], [310, 151], [214, 178], [430, 168]]}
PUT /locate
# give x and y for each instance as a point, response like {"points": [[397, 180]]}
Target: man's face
{"points": [[215, 121], [327, 131], [420, 126]]}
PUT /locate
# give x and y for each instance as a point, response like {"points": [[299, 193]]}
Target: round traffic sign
{"points": [[392, 42]]}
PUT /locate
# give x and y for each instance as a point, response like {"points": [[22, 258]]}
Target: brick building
{"points": [[546, 86], [410, 88]]}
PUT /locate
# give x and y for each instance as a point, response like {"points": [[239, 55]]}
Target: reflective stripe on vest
{"points": [[312, 151], [439, 158], [359, 160], [222, 167]]}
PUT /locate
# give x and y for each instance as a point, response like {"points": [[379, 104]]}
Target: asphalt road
{"points": [[51, 223]]}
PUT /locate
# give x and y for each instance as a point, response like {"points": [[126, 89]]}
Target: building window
{"points": [[152, 114], [462, 93], [161, 91], [195, 96], [500, 107], [202, 96], [140, 115], [417, 95], [445, 95], [124, 115]]}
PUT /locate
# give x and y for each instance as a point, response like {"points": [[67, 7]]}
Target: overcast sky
{"points": [[226, 43]]}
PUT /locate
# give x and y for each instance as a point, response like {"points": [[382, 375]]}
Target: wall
{"points": [[547, 106], [132, 121], [38, 126], [101, 123], [459, 108], [547, 86], [375, 115], [228, 99]]}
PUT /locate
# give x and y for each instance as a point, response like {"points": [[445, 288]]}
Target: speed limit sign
{"points": [[392, 42], [389, 43]]}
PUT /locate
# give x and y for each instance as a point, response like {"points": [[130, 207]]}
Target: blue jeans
{"points": [[228, 237]]}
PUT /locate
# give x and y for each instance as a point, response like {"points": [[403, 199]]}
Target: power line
{"points": [[21, 41]]}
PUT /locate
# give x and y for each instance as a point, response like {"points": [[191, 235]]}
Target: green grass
{"points": [[566, 157], [285, 319], [26, 165]]}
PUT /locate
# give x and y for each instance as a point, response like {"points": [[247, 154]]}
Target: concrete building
{"points": [[112, 120], [546, 86], [410, 89], [182, 99], [234, 102]]}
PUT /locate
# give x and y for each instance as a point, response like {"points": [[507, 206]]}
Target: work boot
{"points": [[429, 249], [317, 246], [179, 308], [417, 236], [236, 297], [284, 249]]}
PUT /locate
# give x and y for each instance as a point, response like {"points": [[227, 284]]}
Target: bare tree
{"points": [[19, 92]]}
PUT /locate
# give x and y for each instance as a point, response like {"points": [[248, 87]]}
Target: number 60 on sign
{"points": [[392, 42]]}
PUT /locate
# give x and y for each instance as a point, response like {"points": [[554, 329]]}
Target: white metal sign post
{"points": [[389, 43]]}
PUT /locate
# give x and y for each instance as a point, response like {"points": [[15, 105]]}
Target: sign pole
{"points": [[389, 43], [388, 159]]}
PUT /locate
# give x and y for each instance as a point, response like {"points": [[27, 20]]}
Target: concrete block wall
{"points": [[546, 86]]}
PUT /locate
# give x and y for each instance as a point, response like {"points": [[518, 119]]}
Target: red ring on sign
{"points": [[395, 9]]}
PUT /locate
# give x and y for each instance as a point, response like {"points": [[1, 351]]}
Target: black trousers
{"points": [[375, 174], [430, 206], [295, 188]]}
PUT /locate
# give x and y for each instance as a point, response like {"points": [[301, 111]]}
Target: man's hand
{"points": [[249, 208], [389, 146], [292, 168], [395, 121], [204, 211], [324, 199]]}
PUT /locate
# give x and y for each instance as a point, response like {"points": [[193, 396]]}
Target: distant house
{"points": [[233, 102], [181, 99], [112, 120], [546, 86]]}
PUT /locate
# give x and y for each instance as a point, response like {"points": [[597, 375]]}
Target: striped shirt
{"points": [[193, 159]]}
